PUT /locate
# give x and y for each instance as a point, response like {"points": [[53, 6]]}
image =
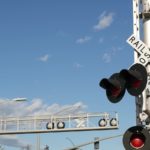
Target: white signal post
{"points": [[142, 56], [146, 31]]}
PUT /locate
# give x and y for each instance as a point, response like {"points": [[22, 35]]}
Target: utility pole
{"points": [[38, 141]]}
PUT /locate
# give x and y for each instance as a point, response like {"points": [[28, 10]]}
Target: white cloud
{"points": [[12, 141], [105, 21], [101, 40], [36, 107], [83, 40], [77, 65], [44, 58], [107, 56], [62, 34], [11, 108]]}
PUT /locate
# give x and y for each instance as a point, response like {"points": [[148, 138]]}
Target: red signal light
{"points": [[137, 141], [115, 92], [136, 84], [136, 138]]}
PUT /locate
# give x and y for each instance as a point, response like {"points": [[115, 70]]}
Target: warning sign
{"points": [[141, 48]]}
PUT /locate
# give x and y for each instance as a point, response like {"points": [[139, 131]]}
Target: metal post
{"points": [[38, 142], [136, 32], [96, 143], [46, 147], [143, 100], [146, 38]]}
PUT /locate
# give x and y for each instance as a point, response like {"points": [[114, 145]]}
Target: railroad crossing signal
{"points": [[133, 80], [136, 137], [136, 80]]}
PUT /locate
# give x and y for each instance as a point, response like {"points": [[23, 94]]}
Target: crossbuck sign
{"points": [[141, 48]]}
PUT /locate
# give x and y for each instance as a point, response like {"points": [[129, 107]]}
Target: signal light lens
{"points": [[115, 92], [102, 123], [113, 122], [136, 84], [50, 125], [137, 141], [60, 125]]}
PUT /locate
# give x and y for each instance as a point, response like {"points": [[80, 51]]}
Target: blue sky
{"points": [[58, 51]]}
